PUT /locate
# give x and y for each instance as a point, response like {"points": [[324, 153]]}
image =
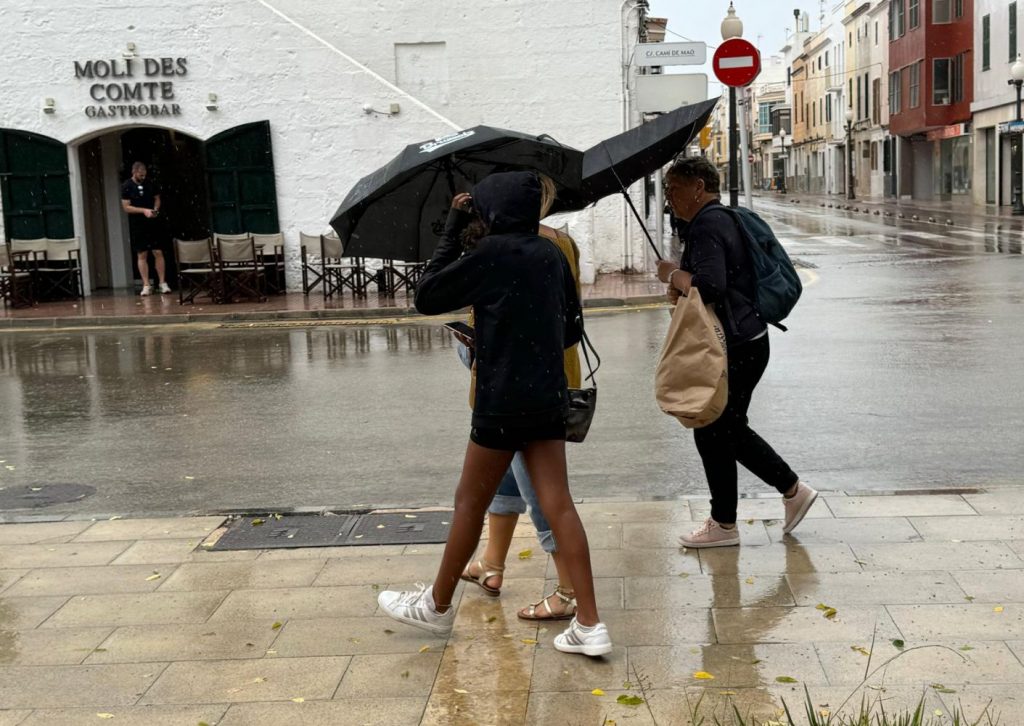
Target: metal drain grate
{"points": [[43, 495], [347, 530]]}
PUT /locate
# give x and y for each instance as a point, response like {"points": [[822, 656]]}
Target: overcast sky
{"points": [[764, 24]]}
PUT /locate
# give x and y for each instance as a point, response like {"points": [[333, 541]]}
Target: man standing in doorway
{"points": [[140, 199]]}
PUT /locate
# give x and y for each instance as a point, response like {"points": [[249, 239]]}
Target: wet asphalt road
{"points": [[902, 370]]}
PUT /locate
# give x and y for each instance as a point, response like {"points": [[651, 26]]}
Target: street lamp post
{"points": [[1016, 79], [849, 150], [732, 27], [785, 158]]}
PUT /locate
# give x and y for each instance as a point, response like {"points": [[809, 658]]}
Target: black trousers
{"points": [[730, 439]]}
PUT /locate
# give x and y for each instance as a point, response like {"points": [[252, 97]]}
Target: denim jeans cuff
{"points": [[503, 504]]}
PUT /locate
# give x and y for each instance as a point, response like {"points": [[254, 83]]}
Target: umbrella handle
{"points": [[643, 226]]}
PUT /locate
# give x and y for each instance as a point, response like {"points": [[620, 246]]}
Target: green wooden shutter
{"points": [[240, 172], [35, 186]]}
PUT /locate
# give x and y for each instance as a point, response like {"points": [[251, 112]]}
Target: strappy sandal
{"points": [[488, 570], [542, 610]]}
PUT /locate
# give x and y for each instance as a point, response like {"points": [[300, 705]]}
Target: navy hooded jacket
{"points": [[524, 301]]}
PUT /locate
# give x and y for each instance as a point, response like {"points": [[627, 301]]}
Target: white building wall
{"points": [[533, 66]]}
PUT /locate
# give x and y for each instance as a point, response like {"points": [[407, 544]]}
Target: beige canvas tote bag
{"points": [[691, 381]]}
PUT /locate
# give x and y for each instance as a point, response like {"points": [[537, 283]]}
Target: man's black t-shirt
{"points": [[140, 194], [145, 233]]}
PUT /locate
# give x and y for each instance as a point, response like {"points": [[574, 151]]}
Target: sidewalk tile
{"points": [[136, 609], [500, 708], [733, 666], [801, 625], [1004, 704], [486, 665], [70, 686], [249, 680], [849, 530], [254, 574], [351, 636], [390, 676], [637, 535], [875, 588], [975, 527], [609, 592], [984, 663], [323, 553], [554, 671], [60, 555], [684, 707], [600, 536], [175, 551], [1017, 646], [593, 513], [938, 556], [655, 627], [16, 718], [68, 646], [141, 715], [777, 559], [703, 591], [479, 611], [24, 613], [302, 602], [90, 580], [637, 562], [973, 621], [992, 586], [40, 532], [379, 571], [9, 577], [997, 502], [585, 708], [134, 529], [760, 509], [202, 641], [1017, 547], [362, 711], [912, 505]]}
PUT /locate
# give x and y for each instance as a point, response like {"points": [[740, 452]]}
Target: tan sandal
{"points": [[488, 570], [542, 610]]}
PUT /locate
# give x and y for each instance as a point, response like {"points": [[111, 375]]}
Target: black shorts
{"points": [[146, 234], [515, 439]]}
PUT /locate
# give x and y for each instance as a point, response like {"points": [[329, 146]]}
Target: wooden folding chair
{"points": [[196, 272], [59, 275], [239, 270], [339, 272], [270, 252], [15, 283]]}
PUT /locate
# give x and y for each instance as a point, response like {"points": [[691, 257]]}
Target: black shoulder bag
{"points": [[582, 401]]}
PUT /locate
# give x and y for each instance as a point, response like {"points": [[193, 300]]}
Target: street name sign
{"points": [[664, 93], [736, 63], [670, 54]]}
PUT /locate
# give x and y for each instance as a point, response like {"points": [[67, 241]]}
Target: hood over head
{"points": [[509, 202]]}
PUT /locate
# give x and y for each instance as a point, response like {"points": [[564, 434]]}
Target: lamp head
{"points": [[732, 26], [1017, 70], [849, 115]]}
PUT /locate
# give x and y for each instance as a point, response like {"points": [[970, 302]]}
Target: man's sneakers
{"points": [[147, 290], [711, 534], [797, 506], [165, 289], [593, 640], [417, 608]]}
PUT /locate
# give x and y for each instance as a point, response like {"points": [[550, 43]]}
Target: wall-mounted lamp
{"points": [[130, 51], [393, 110], [211, 102], [49, 105]]}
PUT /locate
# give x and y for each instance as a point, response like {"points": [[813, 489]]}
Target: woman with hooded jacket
{"points": [[527, 313]]}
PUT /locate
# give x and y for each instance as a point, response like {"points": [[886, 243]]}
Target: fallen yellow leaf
{"points": [[529, 641], [105, 715], [410, 516], [703, 676], [997, 609], [190, 478], [749, 581], [259, 680], [277, 625], [257, 522], [424, 649], [525, 554], [860, 649], [299, 700], [460, 690], [597, 692]]}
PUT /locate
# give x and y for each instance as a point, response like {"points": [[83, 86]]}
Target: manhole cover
{"points": [[43, 495], [290, 531]]}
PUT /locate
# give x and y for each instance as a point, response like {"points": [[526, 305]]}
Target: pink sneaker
{"points": [[797, 506], [711, 534]]}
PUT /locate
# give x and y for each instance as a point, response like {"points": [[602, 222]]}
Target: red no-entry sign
{"points": [[736, 63]]}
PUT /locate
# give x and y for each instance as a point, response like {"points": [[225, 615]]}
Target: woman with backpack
{"points": [[717, 262]]}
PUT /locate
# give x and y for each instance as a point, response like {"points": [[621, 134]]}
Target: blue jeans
{"points": [[516, 490]]}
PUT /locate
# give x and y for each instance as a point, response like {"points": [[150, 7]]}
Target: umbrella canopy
{"points": [[615, 163], [398, 212]]}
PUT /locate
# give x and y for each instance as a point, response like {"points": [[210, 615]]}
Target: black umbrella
{"points": [[398, 212], [614, 164]]}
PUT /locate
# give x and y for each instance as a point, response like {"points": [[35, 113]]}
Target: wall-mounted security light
{"points": [[393, 109], [130, 51], [49, 105], [211, 102]]}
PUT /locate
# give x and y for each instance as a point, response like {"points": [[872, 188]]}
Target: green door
{"points": [[240, 174], [35, 187]]}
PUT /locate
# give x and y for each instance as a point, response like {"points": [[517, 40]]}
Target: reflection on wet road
{"points": [[901, 370]]}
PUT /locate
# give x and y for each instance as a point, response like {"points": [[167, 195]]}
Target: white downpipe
{"points": [[744, 104], [624, 13], [376, 76]]}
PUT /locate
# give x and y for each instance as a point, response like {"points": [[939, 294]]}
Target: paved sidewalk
{"points": [[135, 622]]}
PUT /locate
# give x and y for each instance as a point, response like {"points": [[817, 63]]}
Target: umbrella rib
{"points": [[629, 201]]}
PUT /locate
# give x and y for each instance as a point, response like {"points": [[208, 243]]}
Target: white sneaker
{"points": [[711, 534], [797, 506], [165, 289], [147, 290], [417, 608], [593, 640]]}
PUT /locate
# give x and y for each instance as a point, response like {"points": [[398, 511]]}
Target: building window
{"points": [[915, 13], [986, 42], [942, 11], [826, 59], [959, 8], [764, 118], [814, 115], [867, 96], [958, 77], [876, 32], [901, 27], [828, 108], [941, 68], [849, 95], [915, 84], [876, 99], [857, 114], [1013, 32], [894, 92], [874, 156]]}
